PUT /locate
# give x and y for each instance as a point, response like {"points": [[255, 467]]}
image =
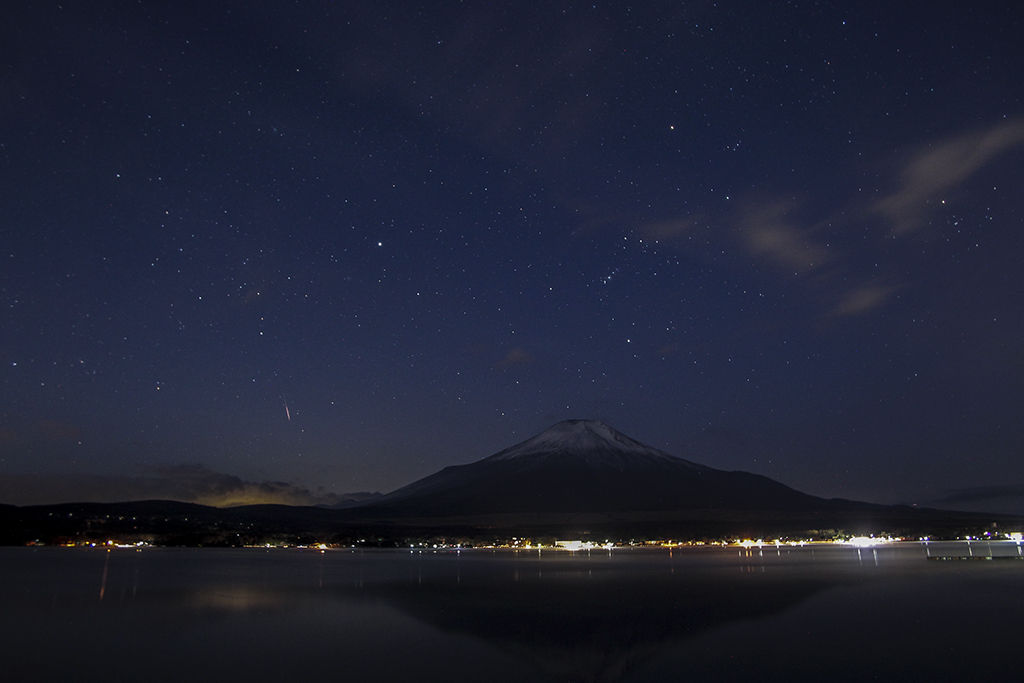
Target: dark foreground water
{"points": [[705, 614]]}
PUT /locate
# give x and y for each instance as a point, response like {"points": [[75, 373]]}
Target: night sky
{"points": [[341, 245]]}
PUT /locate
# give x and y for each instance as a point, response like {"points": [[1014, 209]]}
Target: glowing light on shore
{"points": [[866, 541], [573, 546]]}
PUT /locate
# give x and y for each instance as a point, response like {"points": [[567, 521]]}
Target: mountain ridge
{"points": [[584, 438], [585, 466], [577, 478]]}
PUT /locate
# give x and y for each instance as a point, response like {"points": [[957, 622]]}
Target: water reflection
{"points": [[768, 613], [103, 580], [578, 626]]}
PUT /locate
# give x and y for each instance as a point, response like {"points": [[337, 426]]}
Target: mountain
{"points": [[585, 466], [580, 478]]}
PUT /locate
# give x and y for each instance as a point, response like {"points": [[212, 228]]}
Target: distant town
{"points": [[546, 543]]}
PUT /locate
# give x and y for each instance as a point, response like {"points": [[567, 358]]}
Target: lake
{"points": [[821, 612]]}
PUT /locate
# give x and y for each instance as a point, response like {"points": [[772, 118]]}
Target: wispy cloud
{"points": [[821, 252], [939, 168], [983, 494], [995, 498], [669, 229], [517, 356], [863, 298], [769, 232], [190, 483]]}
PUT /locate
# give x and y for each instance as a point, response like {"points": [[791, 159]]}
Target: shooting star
{"points": [[287, 412]]}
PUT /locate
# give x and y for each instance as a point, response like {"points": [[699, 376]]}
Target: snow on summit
{"points": [[587, 438], [585, 466]]}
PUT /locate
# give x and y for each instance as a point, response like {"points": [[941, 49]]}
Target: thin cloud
{"points": [[938, 169], [186, 483], [863, 299], [983, 494], [821, 254], [517, 356], [770, 233], [670, 228]]}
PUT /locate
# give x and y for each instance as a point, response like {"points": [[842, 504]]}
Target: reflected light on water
{"points": [[103, 579], [623, 616]]}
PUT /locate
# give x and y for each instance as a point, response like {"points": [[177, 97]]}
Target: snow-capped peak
{"points": [[580, 437]]}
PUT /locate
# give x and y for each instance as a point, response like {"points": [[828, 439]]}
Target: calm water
{"points": [[788, 614]]}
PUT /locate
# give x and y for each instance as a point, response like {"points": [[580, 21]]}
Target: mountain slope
{"points": [[580, 466]]}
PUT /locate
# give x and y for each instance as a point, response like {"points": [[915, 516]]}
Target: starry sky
{"points": [[322, 247]]}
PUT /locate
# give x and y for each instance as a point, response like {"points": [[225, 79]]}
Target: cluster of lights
{"points": [[574, 546], [867, 541], [517, 543], [760, 543]]}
